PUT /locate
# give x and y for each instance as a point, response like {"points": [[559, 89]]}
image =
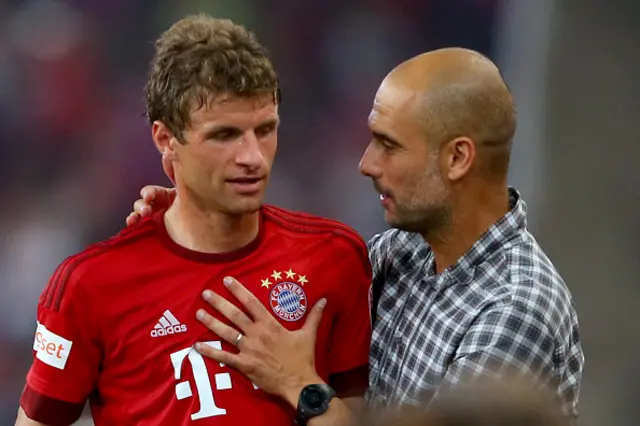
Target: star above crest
{"points": [[282, 276]]}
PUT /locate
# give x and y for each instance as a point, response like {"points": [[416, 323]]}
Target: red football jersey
{"points": [[116, 324]]}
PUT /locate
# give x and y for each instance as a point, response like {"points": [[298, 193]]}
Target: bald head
{"points": [[461, 93]]}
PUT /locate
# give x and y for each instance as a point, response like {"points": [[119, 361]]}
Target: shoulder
{"points": [[306, 223], [534, 280], [111, 251], [345, 240], [77, 274]]}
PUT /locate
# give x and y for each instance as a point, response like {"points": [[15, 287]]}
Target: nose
{"points": [[368, 166], [249, 153]]}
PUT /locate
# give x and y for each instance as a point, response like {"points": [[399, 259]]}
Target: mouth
{"points": [[384, 195], [246, 185], [385, 199]]}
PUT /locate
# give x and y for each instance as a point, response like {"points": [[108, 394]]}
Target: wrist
{"points": [[292, 393]]}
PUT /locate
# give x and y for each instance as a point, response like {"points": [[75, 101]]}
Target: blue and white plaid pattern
{"points": [[502, 306]]}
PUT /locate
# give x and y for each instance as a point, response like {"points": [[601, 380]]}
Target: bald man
{"points": [[461, 289]]}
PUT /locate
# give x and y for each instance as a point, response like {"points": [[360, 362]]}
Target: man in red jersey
{"points": [[117, 323]]}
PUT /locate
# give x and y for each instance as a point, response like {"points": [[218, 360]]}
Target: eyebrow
{"points": [[218, 128], [269, 122]]}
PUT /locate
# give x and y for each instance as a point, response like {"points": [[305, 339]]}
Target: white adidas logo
{"points": [[168, 324]]}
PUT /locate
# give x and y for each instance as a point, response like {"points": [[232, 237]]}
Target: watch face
{"points": [[314, 398]]}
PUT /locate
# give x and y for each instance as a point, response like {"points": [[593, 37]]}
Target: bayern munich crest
{"points": [[286, 296], [288, 301]]}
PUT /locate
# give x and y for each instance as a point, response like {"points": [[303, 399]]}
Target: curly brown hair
{"points": [[199, 59]]}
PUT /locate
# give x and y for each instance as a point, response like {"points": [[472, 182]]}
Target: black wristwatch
{"points": [[313, 401]]}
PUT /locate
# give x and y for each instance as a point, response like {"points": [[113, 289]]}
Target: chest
{"points": [[149, 328], [420, 329], [149, 311]]}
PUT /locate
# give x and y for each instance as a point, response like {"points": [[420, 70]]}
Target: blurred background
{"points": [[76, 149]]}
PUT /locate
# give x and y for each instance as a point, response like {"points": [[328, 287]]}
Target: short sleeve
{"points": [[351, 331], [502, 341], [66, 350]]}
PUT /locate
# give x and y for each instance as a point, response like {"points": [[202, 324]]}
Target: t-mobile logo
{"points": [[208, 407]]}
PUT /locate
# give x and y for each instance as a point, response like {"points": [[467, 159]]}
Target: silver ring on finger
{"points": [[240, 336]]}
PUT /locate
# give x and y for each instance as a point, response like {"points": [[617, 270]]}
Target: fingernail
{"points": [[145, 210], [206, 295], [198, 346], [322, 302], [200, 314], [227, 281]]}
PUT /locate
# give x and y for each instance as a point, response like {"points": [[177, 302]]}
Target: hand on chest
{"points": [[287, 291]]}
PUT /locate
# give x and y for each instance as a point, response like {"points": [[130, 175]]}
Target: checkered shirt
{"points": [[502, 306]]}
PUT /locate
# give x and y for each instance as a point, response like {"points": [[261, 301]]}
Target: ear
{"points": [[166, 144], [460, 153], [165, 141], [167, 166]]}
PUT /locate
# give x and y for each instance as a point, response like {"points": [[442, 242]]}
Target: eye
{"points": [[225, 135], [265, 130], [385, 143]]}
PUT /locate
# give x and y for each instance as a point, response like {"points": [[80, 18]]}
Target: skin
{"points": [[221, 169], [441, 124]]}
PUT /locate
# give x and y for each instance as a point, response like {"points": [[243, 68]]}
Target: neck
{"points": [[209, 231], [469, 221]]}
